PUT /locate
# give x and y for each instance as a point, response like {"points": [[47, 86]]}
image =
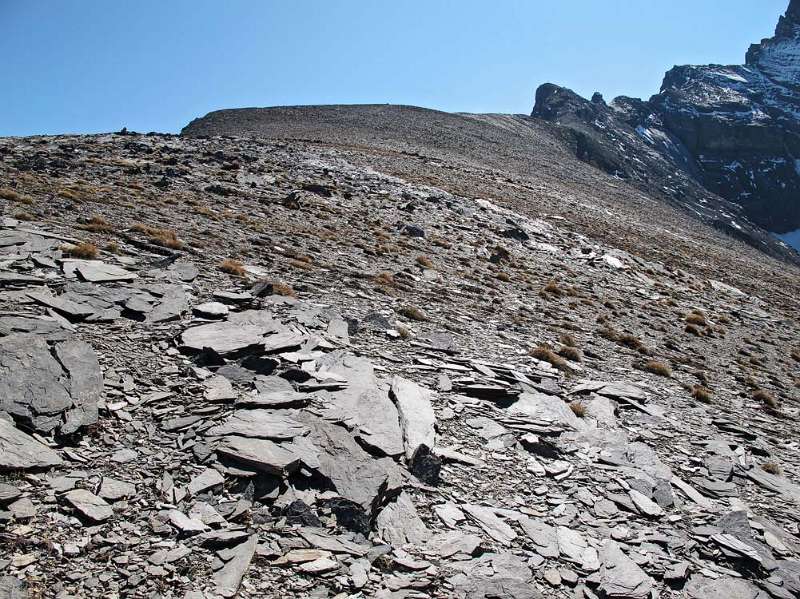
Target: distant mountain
{"points": [[733, 129]]}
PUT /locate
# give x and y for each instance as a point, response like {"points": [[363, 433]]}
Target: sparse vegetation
{"points": [[233, 267], [772, 468], [163, 237], [6, 193], [577, 408], [412, 313], [656, 367], [568, 340], [702, 394], [545, 354], [696, 318], [766, 398], [385, 278], [97, 224], [284, 289], [570, 353], [424, 262], [83, 250]]}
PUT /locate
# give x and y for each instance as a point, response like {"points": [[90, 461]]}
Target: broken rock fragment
{"points": [[19, 451], [417, 419], [620, 576], [50, 388]]}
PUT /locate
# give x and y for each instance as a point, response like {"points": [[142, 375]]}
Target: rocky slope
{"points": [[735, 130], [340, 368]]}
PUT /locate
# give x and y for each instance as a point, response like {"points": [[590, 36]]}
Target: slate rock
{"points": [[417, 419], [237, 560], [620, 576], [426, 465], [398, 523], [261, 454], [19, 451], [89, 505], [52, 390]]}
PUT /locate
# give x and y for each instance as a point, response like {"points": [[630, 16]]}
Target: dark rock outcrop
{"points": [[734, 130]]}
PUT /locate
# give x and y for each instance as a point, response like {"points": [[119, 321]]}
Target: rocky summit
{"points": [[389, 352], [714, 130]]}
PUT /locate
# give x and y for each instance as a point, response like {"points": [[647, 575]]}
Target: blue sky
{"points": [[153, 65]]}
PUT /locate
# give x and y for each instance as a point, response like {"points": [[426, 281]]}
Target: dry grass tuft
{"points": [[568, 340], [112, 247], [766, 398], [164, 237], [656, 367], [697, 318], [577, 408], [702, 394], [97, 224], [283, 289], [545, 354], [796, 355], [233, 267], [570, 353], [772, 468], [26, 216], [693, 330], [424, 262], [11, 195], [552, 288], [385, 278], [412, 313], [83, 250]]}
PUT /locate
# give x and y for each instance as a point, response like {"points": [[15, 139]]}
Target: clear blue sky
{"points": [[153, 65]]}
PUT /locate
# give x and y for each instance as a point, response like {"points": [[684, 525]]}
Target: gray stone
{"points": [[211, 310], [224, 337], [491, 523], [702, 587], [19, 451], [207, 479], [114, 490], [363, 402], [398, 523], [548, 409], [417, 420], [259, 423], [89, 505], [620, 576], [237, 560], [261, 454], [95, 271], [51, 390]]}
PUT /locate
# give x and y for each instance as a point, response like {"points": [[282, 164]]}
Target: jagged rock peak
{"points": [[778, 57]]}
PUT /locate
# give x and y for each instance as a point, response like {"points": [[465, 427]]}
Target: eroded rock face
{"points": [[733, 129], [52, 388]]}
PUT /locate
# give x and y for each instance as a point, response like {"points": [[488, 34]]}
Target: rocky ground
{"points": [[289, 369]]}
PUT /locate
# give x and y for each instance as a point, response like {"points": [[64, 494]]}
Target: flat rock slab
{"points": [[50, 387], [620, 576], [398, 523], [354, 473], [547, 408], [211, 310], [702, 587], [417, 420], [89, 505], [95, 271], [363, 402], [237, 560], [491, 523], [261, 454], [19, 451], [224, 338], [261, 424]]}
